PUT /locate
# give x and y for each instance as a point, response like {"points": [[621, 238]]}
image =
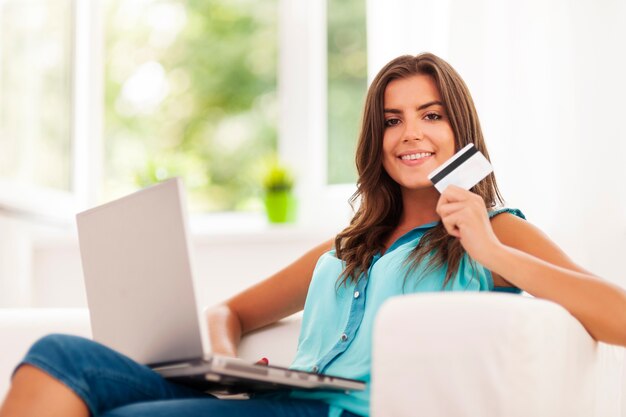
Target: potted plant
{"points": [[280, 203]]}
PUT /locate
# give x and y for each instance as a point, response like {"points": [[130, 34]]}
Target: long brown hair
{"points": [[380, 197]]}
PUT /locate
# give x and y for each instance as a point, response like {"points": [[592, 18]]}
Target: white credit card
{"points": [[465, 169]]}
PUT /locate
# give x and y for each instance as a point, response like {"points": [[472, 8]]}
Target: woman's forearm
{"points": [[597, 304]]}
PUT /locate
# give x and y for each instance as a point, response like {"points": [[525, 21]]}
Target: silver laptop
{"points": [[140, 290]]}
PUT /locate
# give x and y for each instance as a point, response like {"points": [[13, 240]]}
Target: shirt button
{"points": [[344, 337], [356, 294], [315, 369]]}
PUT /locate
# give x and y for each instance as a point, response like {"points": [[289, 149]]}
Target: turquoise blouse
{"points": [[336, 334]]}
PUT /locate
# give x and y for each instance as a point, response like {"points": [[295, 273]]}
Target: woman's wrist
{"points": [[505, 261], [494, 256], [224, 331]]}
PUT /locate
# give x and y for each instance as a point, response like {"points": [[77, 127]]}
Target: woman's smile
{"points": [[415, 158]]}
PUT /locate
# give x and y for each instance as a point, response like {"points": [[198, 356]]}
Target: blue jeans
{"points": [[113, 385]]}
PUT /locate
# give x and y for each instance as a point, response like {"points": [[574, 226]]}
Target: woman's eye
{"points": [[391, 122], [433, 116]]}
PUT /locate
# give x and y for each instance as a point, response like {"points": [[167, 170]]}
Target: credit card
{"points": [[465, 169]]}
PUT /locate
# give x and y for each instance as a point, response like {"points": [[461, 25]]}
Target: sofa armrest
{"points": [[20, 328], [488, 355], [277, 342]]}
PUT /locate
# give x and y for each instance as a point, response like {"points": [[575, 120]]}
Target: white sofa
{"points": [[452, 355]]}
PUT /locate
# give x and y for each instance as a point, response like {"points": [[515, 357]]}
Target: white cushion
{"points": [[489, 355], [20, 328]]}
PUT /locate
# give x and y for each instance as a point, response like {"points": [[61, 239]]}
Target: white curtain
{"points": [[548, 78]]}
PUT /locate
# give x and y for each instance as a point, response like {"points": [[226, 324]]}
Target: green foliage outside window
{"points": [[347, 84], [191, 91]]}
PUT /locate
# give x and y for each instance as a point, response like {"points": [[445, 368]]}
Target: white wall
{"points": [[547, 79], [15, 263], [224, 263]]}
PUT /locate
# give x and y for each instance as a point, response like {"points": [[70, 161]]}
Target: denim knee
{"points": [[101, 377], [58, 353], [63, 353], [60, 346], [54, 354]]}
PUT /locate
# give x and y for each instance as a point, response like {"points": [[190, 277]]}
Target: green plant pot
{"points": [[280, 206]]}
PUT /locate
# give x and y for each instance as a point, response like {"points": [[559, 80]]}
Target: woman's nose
{"points": [[412, 131]]}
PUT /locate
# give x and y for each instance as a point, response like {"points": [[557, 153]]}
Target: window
{"points": [[49, 107], [196, 89], [36, 58], [191, 92]]}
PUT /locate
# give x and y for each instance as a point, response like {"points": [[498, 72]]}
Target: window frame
{"points": [[47, 205], [302, 124], [303, 132]]}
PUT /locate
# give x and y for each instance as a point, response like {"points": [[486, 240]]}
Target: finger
{"points": [[263, 362], [454, 190], [458, 192], [451, 224], [445, 199], [452, 193], [460, 195], [447, 209]]}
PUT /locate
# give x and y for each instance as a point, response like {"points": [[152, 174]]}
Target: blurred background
{"points": [[99, 98]]}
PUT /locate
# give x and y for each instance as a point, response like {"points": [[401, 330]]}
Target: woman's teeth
{"points": [[415, 156]]}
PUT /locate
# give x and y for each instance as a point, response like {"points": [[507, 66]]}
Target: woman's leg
{"points": [[100, 378], [35, 393]]}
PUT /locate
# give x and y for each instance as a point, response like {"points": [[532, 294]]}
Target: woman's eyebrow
{"points": [[430, 103], [422, 107]]}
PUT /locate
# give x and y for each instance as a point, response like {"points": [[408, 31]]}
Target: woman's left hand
{"points": [[464, 216]]}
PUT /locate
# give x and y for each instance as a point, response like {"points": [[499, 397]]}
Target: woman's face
{"points": [[418, 136]]}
